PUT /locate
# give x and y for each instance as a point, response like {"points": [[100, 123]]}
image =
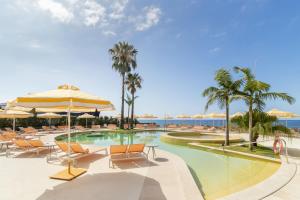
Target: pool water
{"points": [[216, 175]]}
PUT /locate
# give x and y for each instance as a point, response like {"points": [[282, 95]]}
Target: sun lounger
{"points": [[30, 131], [8, 129], [80, 128], [10, 135], [126, 152], [140, 126], [24, 146], [96, 127], [80, 152], [111, 126]]}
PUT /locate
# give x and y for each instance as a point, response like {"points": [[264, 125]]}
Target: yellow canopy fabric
{"points": [[146, 116], [198, 116], [86, 116], [183, 116], [14, 114], [64, 97], [237, 114], [11, 114], [281, 114], [168, 117], [215, 116], [49, 116]]}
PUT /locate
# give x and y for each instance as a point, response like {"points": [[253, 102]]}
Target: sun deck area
{"points": [[166, 177]]}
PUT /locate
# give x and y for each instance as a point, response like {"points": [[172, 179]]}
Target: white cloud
{"points": [[214, 50], [104, 14], [93, 13], [57, 10], [118, 8], [151, 18], [109, 33]]}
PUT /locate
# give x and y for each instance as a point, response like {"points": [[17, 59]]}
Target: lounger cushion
{"points": [[136, 148], [116, 149]]}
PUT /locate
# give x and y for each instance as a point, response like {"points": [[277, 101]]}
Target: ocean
{"points": [[295, 123]]}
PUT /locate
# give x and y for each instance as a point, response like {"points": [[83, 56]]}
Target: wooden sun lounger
{"points": [[80, 152], [126, 152], [25, 146], [112, 126], [77, 151]]}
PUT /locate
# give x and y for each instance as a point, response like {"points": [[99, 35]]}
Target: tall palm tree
{"points": [[133, 82], [222, 94], [128, 101], [255, 93], [124, 60]]}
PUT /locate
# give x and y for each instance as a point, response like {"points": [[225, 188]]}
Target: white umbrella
{"points": [[49, 116], [14, 114], [86, 116], [214, 116]]}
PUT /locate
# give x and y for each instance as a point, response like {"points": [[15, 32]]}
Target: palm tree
{"points": [[128, 101], [133, 82], [263, 124], [222, 94], [255, 93], [124, 60]]}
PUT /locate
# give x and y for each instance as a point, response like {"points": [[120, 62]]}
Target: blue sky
{"points": [[45, 43]]}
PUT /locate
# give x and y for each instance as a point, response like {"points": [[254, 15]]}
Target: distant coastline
{"points": [[291, 123]]}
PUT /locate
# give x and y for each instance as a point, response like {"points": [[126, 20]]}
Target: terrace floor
{"points": [[167, 177]]}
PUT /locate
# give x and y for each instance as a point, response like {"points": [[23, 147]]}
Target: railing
{"points": [[286, 150], [241, 144]]}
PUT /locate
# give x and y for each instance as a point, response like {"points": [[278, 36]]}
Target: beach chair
{"points": [[117, 152], [10, 135], [23, 146], [139, 126], [46, 128], [96, 127], [126, 152], [112, 126], [8, 129], [80, 152], [80, 128]]}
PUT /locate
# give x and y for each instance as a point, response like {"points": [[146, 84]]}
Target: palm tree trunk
{"points": [[250, 125], [132, 110], [122, 106], [128, 112], [227, 123]]}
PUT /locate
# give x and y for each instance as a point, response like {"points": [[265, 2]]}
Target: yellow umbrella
{"points": [[215, 116], [86, 116], [183, 116], [147, 116], [238, 114], [14, 114], [49, 116], [282, 114], [66, 97], [168, 117], [198, 116]]}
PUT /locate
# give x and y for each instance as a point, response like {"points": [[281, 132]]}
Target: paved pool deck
{"points": [[166, 177]]}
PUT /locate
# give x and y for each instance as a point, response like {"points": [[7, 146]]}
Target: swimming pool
{"points": [[216, 175]]}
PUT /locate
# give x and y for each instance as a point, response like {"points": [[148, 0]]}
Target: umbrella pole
{"points": [[14, 124], [69, 139], [85, 122]]}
